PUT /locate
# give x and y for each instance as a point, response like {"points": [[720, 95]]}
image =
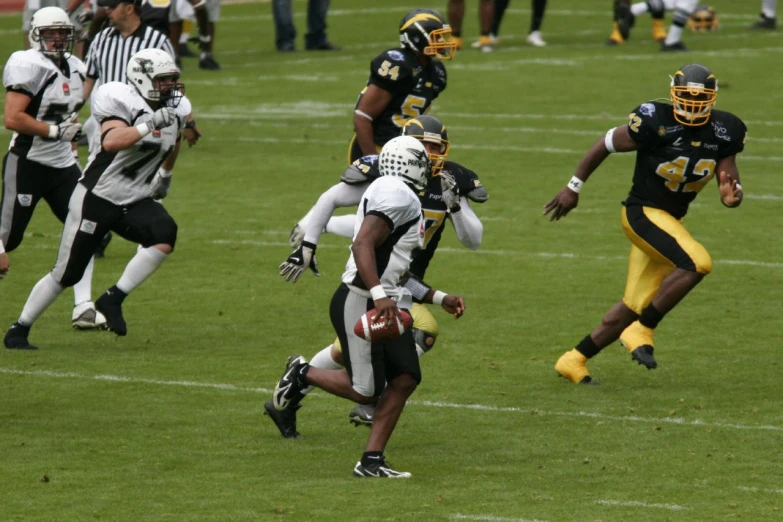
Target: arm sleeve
{"points": [[183, 110], [642, 125], [733, 140], [23, 75], [107, 104], [467, 225], [93, 58], [389, 71]]}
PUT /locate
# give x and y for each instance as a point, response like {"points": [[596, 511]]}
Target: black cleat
{"points": [[763, 22], [380, 470], [677, 47], [625, 19], [289, 387], [362, 415], [185, 52], [100, 251], [644, 356], [208, 63], [110, 305], [285, 420], [16, 338]]}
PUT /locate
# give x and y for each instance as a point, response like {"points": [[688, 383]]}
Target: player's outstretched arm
{"points": [[615, 140]]}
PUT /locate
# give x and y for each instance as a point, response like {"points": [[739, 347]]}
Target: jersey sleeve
{"points": [[731, 136], [393, 202], [642, 125], [78, 67], [108, 104], [183, 111], [24, 75], [389, 70], [93, 56], [363, 170], [468, 182]]}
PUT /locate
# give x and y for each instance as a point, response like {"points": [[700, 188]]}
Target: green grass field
{"points": [[167, 424]]}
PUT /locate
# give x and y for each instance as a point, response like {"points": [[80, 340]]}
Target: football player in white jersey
{"points": [[390, 226], [140, 127], [44, 91]]}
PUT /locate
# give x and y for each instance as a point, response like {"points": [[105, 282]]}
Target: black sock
{"points": [[497, 17], [587, 347], [301, 375], [538, 15], [372, 457], [650, 317], [117, 294]]}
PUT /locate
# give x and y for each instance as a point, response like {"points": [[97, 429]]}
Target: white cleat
{"points": [[86, 317], [493, 39], [535, 39]]}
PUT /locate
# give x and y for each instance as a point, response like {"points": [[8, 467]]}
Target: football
{"points": [[381, 332]]}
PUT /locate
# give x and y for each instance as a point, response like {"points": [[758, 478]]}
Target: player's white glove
{"points": [[163, 117], [450, 191], [161, 184], [66, 131], [301, 258]]}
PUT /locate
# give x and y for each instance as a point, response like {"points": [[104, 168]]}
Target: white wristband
{"points": [[2, 247], [165, 173], [437, 297], [608, 141], [575, 184], [143, 129], [377, 292], [54, 131]]}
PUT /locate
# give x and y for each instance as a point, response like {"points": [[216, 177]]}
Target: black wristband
{"points": [[190, 124]]}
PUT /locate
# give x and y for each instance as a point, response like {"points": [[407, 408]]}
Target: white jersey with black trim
{"points": [[123, 177], [389, 198], [54, 95]]}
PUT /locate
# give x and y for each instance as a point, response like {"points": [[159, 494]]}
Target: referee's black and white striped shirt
{"points": [[110, 52]]}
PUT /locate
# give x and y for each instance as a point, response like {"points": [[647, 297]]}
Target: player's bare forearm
{"points": [[16, 119], [364, 136], [116, 136], [171, 159], [728, 182], [89, 84], [592, 160]]}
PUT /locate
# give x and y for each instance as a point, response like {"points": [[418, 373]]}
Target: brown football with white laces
{"points": [[381, 332]]}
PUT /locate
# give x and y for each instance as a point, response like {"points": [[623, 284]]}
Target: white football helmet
{"points": [[405, 156], [146, 70], [51, 19]]}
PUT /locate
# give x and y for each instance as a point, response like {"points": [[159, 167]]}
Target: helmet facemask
{"points": [[425, 31], [156, 78], [438, 159], [441, 44], [169, 89], [54, 41], [693, 102]]}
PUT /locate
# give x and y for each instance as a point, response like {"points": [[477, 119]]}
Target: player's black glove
{"points": [[301, 258]]}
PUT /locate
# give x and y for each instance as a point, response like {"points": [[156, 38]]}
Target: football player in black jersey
{"points": [[447, 197], [679, 149], [403, 81]]}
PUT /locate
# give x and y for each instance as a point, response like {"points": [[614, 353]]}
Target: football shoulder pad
{"points": [[363, 170]]}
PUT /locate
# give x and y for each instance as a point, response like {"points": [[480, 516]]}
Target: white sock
{"points": [[639, 8], [82, 291], [674, 35], [768, 7], [342, 225], [143, 265], [323, 360], [44, 293]]}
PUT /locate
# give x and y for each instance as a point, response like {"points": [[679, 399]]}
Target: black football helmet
{"points": [[425, 31], [429, 129], [694, 90]]}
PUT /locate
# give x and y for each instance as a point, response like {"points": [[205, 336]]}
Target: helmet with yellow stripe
{"points": [[430, 130], [426, 32], [694, 90]]}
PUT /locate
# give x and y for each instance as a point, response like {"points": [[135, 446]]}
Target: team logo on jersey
{"points": [[421, 229], [396, 55], [66, 89], [416, 71], [661, 131], [156, 134], [25, 199], [647, 109], [87, 226]]}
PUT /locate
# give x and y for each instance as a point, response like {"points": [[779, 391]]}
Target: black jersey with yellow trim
{"points": [[413, 86], [673, 161], [435, 212]]}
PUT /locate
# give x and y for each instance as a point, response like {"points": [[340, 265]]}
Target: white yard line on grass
{"points": [[761, 490], [433, 404], [510, 253], [633, 503], [491, 518]]}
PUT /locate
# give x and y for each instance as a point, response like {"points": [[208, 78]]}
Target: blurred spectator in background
{"points": [[457, 13], [206, 12], [533, 36], [767, 19], [671, 40], [285, 32]]}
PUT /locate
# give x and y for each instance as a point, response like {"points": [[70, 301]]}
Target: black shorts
{"points": [[90, 217], [370, 365], [25, 183]]}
